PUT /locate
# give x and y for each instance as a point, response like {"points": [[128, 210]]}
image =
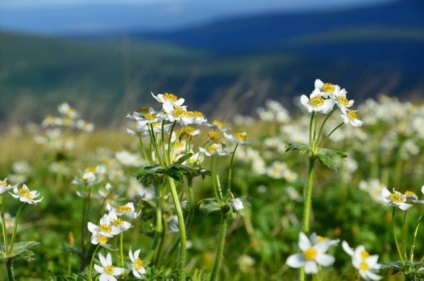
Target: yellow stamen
{"points": [[144, 109], [352, 114], [410, 193], [317, 101], [150, 116], [219, 124], [102, 239], [105, 228], [170, 97], [124, 209], [310, 254], [24, 192], [321, 238], [4, 183], [90, 170], [343, 100], [180, 111], [212, 148], [214, 135], [396, 197], [364, 254], [117, 222], [241, 136], [364, 266], [189, 130], [109, 269], [138, 264], [328, 88]]}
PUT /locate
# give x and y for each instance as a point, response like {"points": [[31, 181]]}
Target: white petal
{"points": [[318, 83], [296, 261], [109, 259], [311, 267], [304, 100], [118, 270], [373, 276], [325, 260], [404, 206], [98, 268], [304, 242], [347, 248]]}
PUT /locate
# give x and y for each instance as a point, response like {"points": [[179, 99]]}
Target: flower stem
{"points": [[220, 249], [230, 172], [121, 245], [395, 237], [3, 227], [308, 195], [9, 268], [181, 226], [84, 220], [90, 274], [15, 227]]}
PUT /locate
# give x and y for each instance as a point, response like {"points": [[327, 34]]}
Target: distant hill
{"points": [[224, 68]]}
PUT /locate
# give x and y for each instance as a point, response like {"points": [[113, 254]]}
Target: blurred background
{"points": [[105, 57]]}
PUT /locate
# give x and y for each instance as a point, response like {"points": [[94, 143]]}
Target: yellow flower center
{"points": [[212, 148], [67, 121], [189, 130], [364, 254], [138, 264], [214, 135], [49, 118], [321, 238], [4, 183], [241, 136], [180, 111], [24, 192], [352, 114], [144, 109], [364, 266], [410, 193], [106, 228], [343, 100], [396, 197], [170, 97], [102, 239], [198, 114], [124, 209], [317, 101], [117, 222], [219, 124], [90, 170], [310, 254], [109, 269], [328, 88], [150, 116]]}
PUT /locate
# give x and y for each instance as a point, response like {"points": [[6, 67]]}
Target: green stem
{"points": [[395, 237], [308, 195], [121, 242], [404, 233], [323, 123], [15, 227], [220, 249], [143, 150], [181, 226], [90, 274], [411, 254], [324, 141], [9, 268], [3, 226], [84, 220], [230, 172], [311, 129], [213, 172], [155, 145]]}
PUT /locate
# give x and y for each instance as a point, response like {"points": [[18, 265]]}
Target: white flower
{"points": [[395, 199], [129, 159], [25, 195], [90, 176], [117, 223], [238, 137], [326, 89], [5, 186], [236, 204], [341, 100], [136, 264], [67, 110], [168, 101], [311, 256], [104, 228], [317, 103], [213, 150], [127, 210], [350, 116], [363, 262], [107, 270]]}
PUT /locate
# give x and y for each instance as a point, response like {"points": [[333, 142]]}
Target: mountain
{"points": [[221, 68]]}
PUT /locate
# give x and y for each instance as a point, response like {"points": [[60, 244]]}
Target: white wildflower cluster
{"points": [[112, 224], [108, 271], [314, 254], [273, 112], [69, 118], [403, 201], [374, 188], [325, 96], [24, 194]]}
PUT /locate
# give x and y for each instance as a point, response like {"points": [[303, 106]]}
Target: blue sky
{"points": [[76, 16]]}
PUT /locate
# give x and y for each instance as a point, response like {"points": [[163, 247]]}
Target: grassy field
{"points": [[78, 171]]}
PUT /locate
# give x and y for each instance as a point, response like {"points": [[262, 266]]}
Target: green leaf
{"points": [[20, 251], [183, 158], [209, 205], [327, 156], [302, 148]]}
